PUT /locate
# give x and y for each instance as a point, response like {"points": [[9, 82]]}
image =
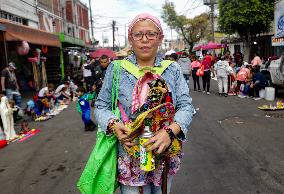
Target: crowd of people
{"points": [[234, 76]]}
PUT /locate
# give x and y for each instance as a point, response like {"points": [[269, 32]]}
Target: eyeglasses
{"points": [[150, 35]]}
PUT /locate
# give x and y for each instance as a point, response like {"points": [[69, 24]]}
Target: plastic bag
{"points": [[200, 71]]}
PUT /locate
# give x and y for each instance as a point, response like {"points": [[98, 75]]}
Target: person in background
{"points": [[232, 83], [99, 72], [256, 60], [83, 107], [9, 84], [61, 91], [195, 65], [207, 63], [44, 96], [185, 65], [243, 76], [259, 82], [222, 69], [87, 75]]}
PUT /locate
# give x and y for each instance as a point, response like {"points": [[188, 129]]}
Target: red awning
{"points": [[16, 32]]}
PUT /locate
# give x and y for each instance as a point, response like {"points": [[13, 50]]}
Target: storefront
{"points": [[33, 60], [277, 41], [72, 55]]}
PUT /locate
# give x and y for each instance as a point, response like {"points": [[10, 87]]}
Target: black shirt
{"points": [[10, 79]]}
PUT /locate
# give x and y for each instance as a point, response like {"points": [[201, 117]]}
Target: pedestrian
{"points": [[99, 71], [207, 64], [145, 35], [222, 70], [87, 75], [9, 84], [185, 65], [195, 65], [83, 107]]}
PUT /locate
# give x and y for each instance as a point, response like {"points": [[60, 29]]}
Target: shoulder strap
{"points": [[115, 86], [138, 73], [164, 65]]}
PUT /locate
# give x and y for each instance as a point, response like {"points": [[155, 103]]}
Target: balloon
{"points": [[23, 48]]}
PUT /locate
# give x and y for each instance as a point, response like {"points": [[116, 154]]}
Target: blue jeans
{"points": [[16, 97], [147, 189]]}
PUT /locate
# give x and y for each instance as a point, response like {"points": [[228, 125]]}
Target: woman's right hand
{"points": [[121, 132]]}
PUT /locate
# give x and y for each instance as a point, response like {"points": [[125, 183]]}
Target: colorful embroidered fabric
{"points": [[157, 110]]}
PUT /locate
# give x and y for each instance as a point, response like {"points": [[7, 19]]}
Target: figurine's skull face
{"points": [[158, 89]]}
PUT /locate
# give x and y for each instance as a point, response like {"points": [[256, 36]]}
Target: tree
{"points": [[192, 30], [247, 18]]}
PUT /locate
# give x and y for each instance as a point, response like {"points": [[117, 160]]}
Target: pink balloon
{"points": [[23, 48]]}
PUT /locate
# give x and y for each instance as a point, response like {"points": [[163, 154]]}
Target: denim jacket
{"points": [[173, 77]]}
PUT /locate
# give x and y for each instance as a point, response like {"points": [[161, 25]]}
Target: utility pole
{"points": [[91, 17], [211, 3], [212, 20], [113, 30], [125, 36]]}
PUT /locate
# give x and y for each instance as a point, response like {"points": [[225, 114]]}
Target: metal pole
{"points": [[5, 48], [113, 30], [91, 17], [212, 20]]}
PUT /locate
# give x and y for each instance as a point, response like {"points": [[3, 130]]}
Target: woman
{"points": [[222, 70], [145, 35], [207, 63], [195, 65]]}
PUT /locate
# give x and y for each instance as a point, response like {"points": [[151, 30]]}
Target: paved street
{"points": [[232, 148]]}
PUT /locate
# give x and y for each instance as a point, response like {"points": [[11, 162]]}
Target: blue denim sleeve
{"points": [[184, 108], [103, 113]]}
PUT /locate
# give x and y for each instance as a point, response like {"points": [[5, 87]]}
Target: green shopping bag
{"points": [[100, 173]]}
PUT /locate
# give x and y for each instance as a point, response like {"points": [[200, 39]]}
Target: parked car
{"points": [[273, 69]]}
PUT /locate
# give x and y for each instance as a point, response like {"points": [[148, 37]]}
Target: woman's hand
{"points": [[121, 132], [161, 141]]}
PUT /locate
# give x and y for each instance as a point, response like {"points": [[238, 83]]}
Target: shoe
{"points": [[195, 90], [241, 96], [257, 98], [199, 90], [220, 94], [203, 91], [208, 93], [226, 95]]}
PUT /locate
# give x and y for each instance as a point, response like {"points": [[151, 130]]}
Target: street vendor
{"points": [[162, 104]]}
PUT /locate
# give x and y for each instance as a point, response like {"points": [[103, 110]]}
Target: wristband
{"points": [[170, 132]]}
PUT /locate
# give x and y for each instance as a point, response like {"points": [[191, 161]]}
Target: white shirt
{"points": [[42, 92], [86, 72], [58, 90]]}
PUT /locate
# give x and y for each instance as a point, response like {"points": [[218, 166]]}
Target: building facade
{"points": [[51, 26]]}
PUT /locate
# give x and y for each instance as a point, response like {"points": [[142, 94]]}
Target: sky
{"points": [[123, 11]]}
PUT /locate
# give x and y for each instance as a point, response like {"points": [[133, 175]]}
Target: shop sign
{"points": [[70, 39], [277, 41], [279, 19]]}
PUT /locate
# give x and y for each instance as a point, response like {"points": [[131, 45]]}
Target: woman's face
{"points": [[145, 39]]}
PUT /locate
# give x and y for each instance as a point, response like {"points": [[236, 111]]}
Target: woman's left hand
{"points": [[161, 141]]}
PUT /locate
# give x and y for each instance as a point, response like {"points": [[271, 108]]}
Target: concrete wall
{"points": [[24, 10]]}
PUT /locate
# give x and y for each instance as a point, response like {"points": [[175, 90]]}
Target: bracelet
{"points": [[170, 132], [110, 127]]}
